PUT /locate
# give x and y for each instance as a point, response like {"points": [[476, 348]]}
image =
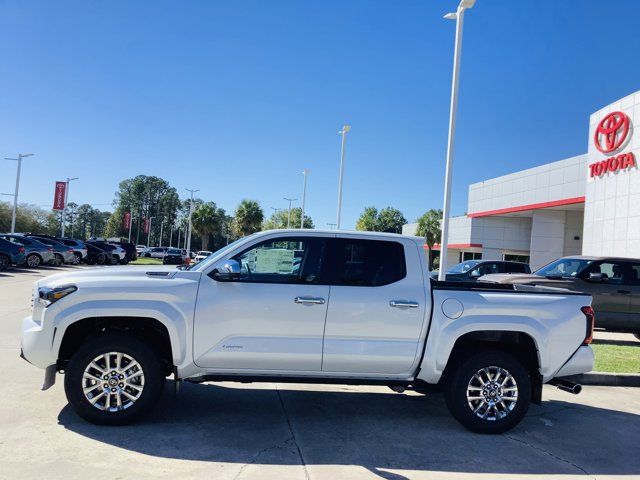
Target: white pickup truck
{"points": [[306, 306]]}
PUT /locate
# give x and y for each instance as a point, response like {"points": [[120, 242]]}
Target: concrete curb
{"points": [[607, 379]]}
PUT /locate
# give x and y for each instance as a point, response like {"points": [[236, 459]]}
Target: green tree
{"points": [[429, 228], [388, 219], [145, 197], [248, 218], [208, 220], [368, 220], [280, 218]]}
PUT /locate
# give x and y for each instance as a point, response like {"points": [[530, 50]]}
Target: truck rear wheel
{"points": [[113, 380], [488, 392]]}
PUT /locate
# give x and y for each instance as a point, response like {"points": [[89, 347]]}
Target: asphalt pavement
{"points": [[278, 431]]}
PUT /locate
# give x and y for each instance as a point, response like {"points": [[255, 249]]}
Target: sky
{"points": [[236, 98]]}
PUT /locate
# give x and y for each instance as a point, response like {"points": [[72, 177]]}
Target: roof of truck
{"points": [[419, 240]]}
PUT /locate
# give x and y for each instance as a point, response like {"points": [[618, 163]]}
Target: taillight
{"points": [[50, 249], [591, 323], [21, 250]]}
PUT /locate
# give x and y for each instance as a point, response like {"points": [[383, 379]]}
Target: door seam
{"points": [[324, 330]]}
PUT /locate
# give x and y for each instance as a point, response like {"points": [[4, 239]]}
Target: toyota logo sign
{"points": [[611, 132]]}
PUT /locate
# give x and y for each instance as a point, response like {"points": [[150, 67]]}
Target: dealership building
{"points": [[588, 204]]}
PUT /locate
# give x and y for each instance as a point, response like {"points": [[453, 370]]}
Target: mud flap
{"points": [[536, 388], [49, 377]]}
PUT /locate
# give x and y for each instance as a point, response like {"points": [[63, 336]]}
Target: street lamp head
{"points": [[305, 171], [345, 129], [451, 16], [74, 178], [24, 155], [467, 4]]}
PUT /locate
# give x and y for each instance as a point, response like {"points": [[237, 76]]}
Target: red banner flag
{"points": [[58, 198], [127, 220], [146, 226]]}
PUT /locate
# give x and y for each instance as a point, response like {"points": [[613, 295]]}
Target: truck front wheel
{"points": [[113, 380], [488, 392]]}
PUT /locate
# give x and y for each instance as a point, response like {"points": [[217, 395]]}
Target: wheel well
{"points": [[518, 344], [36, 254], [149, 330]]}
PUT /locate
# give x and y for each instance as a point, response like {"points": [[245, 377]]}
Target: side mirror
{"points": [[475, 274], [226, 271], [597, 277]]}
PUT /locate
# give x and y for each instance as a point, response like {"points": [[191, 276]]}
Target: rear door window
{"points": [[365, 263], [486, 269]]}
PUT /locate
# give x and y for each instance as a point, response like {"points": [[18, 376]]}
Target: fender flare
{"points": [[163, 312]]}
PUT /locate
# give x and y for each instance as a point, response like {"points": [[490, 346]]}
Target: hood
{"points": [[124, 274]]}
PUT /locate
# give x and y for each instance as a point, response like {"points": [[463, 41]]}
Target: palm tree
{"points": [[429, 228], [248, 218], [207, 219]]}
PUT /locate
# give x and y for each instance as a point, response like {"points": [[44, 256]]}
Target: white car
{"points": [[358, 308], [140, 249], [155, 252], [201, 255]]}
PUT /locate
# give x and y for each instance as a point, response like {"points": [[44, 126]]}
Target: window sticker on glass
{"points": [[273, 260]]}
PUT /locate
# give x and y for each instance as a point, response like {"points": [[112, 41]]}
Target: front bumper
{"points": [[37, 339], [580, 362]]}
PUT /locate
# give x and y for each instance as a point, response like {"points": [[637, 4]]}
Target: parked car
{"points": [[140, 249], [61, 252], [10, 254], [201, 255], [246, 313], [613, 282], [471, 270], [155, 252], [79, 248], [131, 253], [173, 256], [114, 254], [97, 256], [36, 253]]}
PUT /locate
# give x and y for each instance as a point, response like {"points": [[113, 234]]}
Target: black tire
{"points": [[33, 260], [123, 261], [91, 260], [59, 260], [459, 380], [78, 255], [148, 255], [152, 370], [5, 262]]}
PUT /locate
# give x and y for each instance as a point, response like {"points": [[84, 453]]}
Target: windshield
{"points": [[564, 267], [218, 253], [174, 251], [463, 267]]}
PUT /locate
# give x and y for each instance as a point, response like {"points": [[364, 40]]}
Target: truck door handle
{"points": [[403, 304], [309, 300]]}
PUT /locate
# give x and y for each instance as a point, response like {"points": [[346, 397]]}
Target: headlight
{"points": [[47, 296]]}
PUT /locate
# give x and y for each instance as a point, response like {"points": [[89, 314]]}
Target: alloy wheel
{"points": [[33, 261], [492, 393], [113, 381]]}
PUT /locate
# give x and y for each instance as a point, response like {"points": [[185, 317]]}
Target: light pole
{"points": [[15, 193], [161, 228], [130, 223], [66, 197], [458, 16], [190, 213], [171, 236], [305, 172], [290, 200], [149, 232], [344, 131]]}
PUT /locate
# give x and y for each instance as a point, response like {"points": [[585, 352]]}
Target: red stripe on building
{"points": [[455, 245], [531, 206]]}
